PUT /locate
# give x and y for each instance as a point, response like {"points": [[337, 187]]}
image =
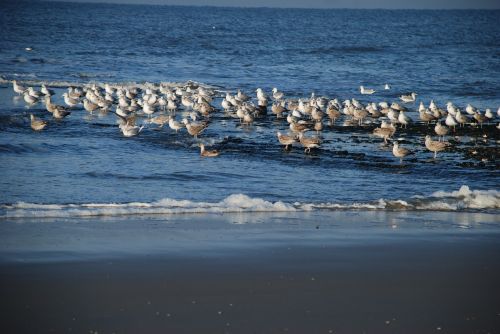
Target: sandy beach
{"points": [[340, 272]]}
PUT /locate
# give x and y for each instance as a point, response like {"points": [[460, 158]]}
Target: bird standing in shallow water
{"points": [[308, 142], [18, 88], [286, 140], [441, 130], [385, 133], [435, 146], [400, 152], [194, 129], [36, 123]]}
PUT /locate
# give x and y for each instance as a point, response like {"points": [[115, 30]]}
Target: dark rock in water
{"points": [[466, 164], [261, 110], [358, 156], [344, 152]]}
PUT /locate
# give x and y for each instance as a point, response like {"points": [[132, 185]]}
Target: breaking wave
{"points": [[462, 200]]}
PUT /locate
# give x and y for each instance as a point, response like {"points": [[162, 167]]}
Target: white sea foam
{"points": [[463, 199], [233, 203]]}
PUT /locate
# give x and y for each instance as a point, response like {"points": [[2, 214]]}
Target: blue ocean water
{"points": [[441, 55]]}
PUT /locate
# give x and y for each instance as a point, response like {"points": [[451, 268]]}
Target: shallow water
{"points": [[85, 159]]}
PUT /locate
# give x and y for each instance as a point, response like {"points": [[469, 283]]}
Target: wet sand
{"points": [[316, 276]]}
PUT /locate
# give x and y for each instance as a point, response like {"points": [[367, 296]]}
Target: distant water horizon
{"points": [[305, 6]]}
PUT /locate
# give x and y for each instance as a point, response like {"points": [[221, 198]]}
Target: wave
{"points": [[461, 200]]}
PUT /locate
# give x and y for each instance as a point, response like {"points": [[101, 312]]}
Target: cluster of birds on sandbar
{"points": [[158, 104]]}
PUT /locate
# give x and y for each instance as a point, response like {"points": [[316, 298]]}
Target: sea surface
{"points": [[83, 166]]}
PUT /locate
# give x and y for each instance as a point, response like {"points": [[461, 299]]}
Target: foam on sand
{"points": [[461, 200]]}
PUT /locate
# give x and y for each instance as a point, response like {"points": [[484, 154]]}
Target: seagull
{"points": [[194, 129], [299, 127], [333, 113], [318, 126], [29, 98], [400, 152], [128, 127], [131, 130], [278, 108], [441, 130], [277, 95], [226, 105], [18, 88], [308, 142], [426, 116], [480, 118], [489, 114], [450, 121], [186, 102], [160, 120], [37, 124], [171, 105], [462, 119], [366, 91], [286, 140], [470, 109], [387, 87], [248, 118], [174, 125], [242, 96], [45, 91], [408, 98], [148, 109], [384, 132], [34, 92], [432, 105], [404, 119], [89, 106], [60, 112], [205, 153], [435, 146]]}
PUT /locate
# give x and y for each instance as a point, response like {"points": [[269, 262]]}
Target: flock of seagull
{"points": [[159, 103]]}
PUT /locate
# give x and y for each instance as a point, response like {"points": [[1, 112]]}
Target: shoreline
{"points": [[70, 239], [283, 275]]}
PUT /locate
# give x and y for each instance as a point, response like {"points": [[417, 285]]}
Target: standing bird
{"points": [[450, 121], [278, 108], [37, 124], [277, 95], [18, 88], [461, 119], [194, 129], [29, 99], [308, 142], [441, 130], [333, 113], [480, 118], [404, 119], [174, 125], [45, 91], [286, 140], [400, 152], [435, 146], [384, 132], [70, 101]]}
